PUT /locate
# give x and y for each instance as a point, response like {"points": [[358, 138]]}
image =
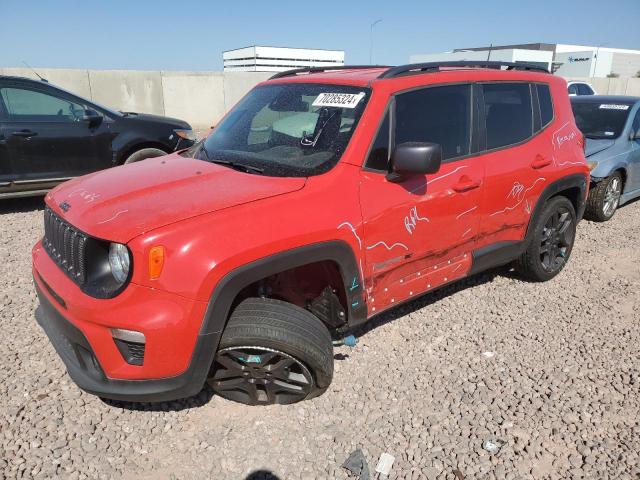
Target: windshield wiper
{"points": [[239, 166]]}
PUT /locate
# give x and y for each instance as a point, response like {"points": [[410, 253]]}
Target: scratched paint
{"points": [[412, 219], [519, 197]]}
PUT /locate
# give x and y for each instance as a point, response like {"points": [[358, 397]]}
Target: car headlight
{"points": [[592, 165], [119, 261], [186, 134]]}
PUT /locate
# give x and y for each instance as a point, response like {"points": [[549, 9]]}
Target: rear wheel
{"points": [[604, 198], [143, 154], [554, 232], [272, 352]]}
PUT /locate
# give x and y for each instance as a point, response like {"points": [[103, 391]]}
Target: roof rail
{"points": [[418, 68], [291, 73]]}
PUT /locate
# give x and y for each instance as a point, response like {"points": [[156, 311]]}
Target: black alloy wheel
{"points": [[260, 376]]}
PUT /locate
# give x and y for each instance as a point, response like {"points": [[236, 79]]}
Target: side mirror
{"points": [[415, 158], [91, 117]]}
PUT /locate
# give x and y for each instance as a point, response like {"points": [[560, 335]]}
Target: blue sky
{"points": [[191, 35]]}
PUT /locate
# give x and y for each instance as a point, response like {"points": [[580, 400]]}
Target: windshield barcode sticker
{"points": [[611, 106], [339, 100]]}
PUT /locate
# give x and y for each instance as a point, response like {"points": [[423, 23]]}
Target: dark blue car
{"points": [[611, 126]]}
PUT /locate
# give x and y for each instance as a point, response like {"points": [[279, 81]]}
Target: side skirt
{"points": [[496, 255]]}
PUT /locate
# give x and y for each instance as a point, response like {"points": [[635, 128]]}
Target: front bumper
{"points": [[177, 357]]}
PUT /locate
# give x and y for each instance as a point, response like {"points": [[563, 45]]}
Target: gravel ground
{"points": [[547, 372]]}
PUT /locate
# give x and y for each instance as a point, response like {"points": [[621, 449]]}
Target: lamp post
{"points": [[371, 40], [595, 63]]}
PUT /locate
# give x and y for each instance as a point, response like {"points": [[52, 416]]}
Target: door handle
{"points": [[24, 133], [540, 162], [465, 184]]}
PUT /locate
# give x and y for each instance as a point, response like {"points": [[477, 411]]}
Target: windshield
{"points": [[293, 130], [601, 120]]}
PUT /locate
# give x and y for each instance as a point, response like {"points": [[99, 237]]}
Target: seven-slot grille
{"points": [[65, 245]]}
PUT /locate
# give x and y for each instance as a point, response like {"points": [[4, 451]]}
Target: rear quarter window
{"points": [[546, 104]]}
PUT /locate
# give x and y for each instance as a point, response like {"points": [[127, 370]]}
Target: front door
{"points": [[420, 230], [45, 136]]}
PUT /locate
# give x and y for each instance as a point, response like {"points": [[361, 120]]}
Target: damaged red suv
{"points": [[322, 199]]}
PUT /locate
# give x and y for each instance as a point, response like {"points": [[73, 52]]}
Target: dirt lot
{"points": [[547, 371]]}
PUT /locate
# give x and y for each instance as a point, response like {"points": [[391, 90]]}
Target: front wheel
{"points": [[604, 198], [144, 154], [554, 232], [272, 352]]}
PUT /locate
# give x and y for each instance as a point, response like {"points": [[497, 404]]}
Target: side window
{"points": [[546, 105], [573, 89], [379, 155], [508, 113], [438, 115], [23, 104], [635, 126], [584, 89]]}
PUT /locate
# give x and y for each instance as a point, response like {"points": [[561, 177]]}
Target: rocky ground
{"points": [[546, 373]]}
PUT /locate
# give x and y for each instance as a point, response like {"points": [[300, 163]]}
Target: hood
{"points": [[159, 119], [121, 203], [594, 146]]}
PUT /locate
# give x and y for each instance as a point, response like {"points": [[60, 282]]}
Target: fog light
{"points": [[128, 335], [131, 345]]}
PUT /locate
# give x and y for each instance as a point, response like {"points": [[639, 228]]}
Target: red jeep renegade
{"points": [[322, 199]]}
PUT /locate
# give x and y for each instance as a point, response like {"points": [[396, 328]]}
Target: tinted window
{"points": [[379, 155], [508, 113], [22, 104], [546, 105], [438, 115], [288, 129], [636, 124], [584, 89], [573, 89], [600, 119]]}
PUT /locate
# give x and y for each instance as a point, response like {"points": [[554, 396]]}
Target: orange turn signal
{"points": [[156, 261]]}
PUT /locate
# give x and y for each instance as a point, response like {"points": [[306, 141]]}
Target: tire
{"points": [[272, 352], [143, 154], [551, 242], [604, 198]]}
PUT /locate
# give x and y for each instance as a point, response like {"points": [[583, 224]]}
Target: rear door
{"points": [[45, 136], [420, 230], [634, 156], [517, 162]]}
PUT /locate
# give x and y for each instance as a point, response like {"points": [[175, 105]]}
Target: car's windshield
{"points": [[286, 129], [601, 119]]}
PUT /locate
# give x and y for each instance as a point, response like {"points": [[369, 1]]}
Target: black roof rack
{"points": [[291, 73], [417, 68]]}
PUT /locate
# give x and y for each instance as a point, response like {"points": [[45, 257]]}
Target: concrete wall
{"points": [[201, 98], [612, 86]]}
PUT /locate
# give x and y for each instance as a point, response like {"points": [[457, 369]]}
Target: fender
{"points": [[501, 253], [577, 180], [233, 282], [619, 166]]}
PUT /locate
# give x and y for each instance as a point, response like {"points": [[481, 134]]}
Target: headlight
{"points": [[119, 262], [592, 165], [186, 134]]}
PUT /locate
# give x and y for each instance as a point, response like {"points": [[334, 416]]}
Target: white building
{"points": [[515, 55], [565, 60], [277, 59]]}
